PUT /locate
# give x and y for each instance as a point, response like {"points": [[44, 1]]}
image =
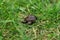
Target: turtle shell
{"points": [[30, 19]]}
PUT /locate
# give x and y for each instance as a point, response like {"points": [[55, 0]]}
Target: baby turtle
{"points": [[30, 19]]}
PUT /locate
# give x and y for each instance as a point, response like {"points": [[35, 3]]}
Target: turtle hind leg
{"points": [[24, 21]]}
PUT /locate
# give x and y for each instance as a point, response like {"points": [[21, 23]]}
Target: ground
{"points": [[47, 26]]}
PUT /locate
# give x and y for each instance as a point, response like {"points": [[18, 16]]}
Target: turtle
{"points": [[30, 19]]}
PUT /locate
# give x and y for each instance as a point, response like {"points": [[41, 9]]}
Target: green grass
{"points": [[47, 26]]}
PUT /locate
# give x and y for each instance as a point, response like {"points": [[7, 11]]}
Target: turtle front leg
{"points": [[29, 23]]}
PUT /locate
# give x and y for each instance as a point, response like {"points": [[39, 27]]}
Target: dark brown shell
{"points": [[30, 19]]}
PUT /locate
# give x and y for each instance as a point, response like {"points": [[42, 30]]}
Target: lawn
{"points": [[46, 27]]}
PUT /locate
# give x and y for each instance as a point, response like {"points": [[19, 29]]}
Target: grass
{"points": [[47, 26]]}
